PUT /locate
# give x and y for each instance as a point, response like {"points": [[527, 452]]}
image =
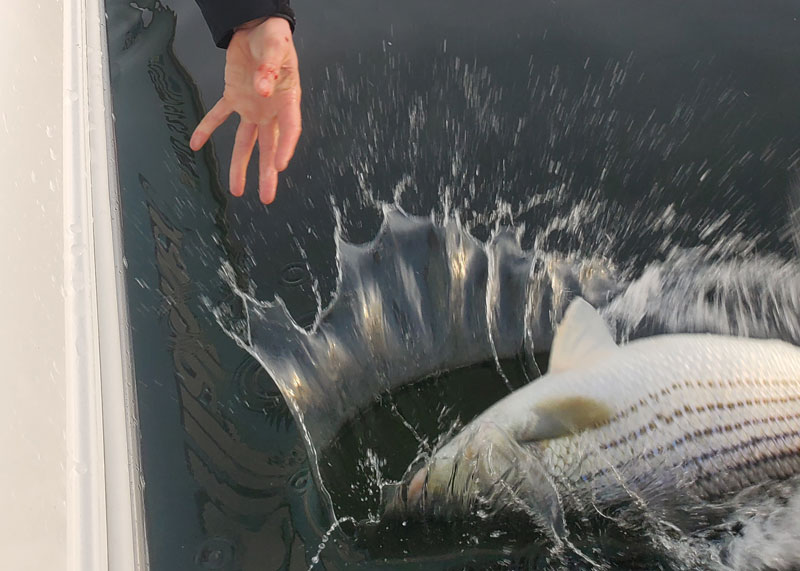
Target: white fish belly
{"points": [[706, 414]]}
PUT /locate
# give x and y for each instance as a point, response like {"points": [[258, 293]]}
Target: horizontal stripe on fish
{"points": [[710, 454], [668, 419]]}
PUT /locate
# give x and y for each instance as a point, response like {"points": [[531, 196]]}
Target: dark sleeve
{"points": [[224, 16]]}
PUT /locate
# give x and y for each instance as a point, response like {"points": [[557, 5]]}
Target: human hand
{"points": [[262, 85]]}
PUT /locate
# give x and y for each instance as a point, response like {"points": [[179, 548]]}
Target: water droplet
{"points": [[299, 480], [216, 553], [294, 274], [147, 17]]}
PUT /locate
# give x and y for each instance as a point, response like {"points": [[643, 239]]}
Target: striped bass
{"points": [[685, 418]]}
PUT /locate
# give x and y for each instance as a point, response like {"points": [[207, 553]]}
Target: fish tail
{"points": [[486, 466]]}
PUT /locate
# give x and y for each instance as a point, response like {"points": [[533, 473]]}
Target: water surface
{"points": [[617, 134]]}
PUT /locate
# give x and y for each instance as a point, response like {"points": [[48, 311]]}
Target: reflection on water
{"points": [[224, 468], [602, 168]]}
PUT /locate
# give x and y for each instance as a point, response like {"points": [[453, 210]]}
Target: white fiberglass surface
{"points": [[32, 416]]}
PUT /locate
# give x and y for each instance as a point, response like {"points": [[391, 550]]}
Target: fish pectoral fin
{"points": [[566, 416], [581, 338]]}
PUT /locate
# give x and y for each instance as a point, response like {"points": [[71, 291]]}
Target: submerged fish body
{"points": [[666, 418]]}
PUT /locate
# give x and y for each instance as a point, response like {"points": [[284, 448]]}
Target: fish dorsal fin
{"points": [[581, 338]]}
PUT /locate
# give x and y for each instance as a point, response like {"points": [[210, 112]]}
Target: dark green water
{"points": [[645, 108], [386, 438]]}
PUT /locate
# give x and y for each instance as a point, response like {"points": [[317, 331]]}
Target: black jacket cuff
{"points": [[224, 16]]}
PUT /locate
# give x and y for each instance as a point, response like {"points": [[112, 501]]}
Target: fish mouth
{"points": [[482, 472]]}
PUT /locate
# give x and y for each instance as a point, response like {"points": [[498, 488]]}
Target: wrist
{"points": [[249, 25]]}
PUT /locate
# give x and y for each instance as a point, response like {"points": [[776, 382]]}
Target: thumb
{"points": [[270, 55]]}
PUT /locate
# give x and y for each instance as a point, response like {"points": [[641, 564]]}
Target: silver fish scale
{"points": [[711, 414]]}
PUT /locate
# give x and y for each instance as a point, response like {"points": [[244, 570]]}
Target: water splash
{"points": [[425, 297], [326, 537], [419, 299], [485, 278]]}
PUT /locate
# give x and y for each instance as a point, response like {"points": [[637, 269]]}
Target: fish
{"points": [[664, 420]]}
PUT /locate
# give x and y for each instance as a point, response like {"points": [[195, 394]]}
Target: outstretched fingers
{"points": [[268, 174], [213, 119], [246, 136]]}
